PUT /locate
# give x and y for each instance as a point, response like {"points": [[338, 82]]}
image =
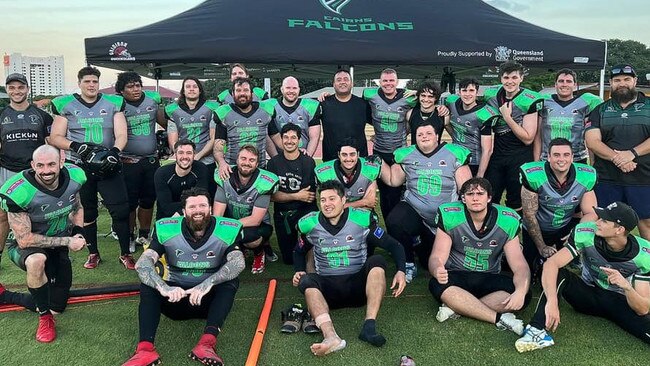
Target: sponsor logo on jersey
{"points": [[102, 112], [259, 121], [511, 214], [349, 238], [442, 163], [647, 250], [20, 116], [451, 209], [203, 118], [624, 115], [493, 243], [585, 169], [250, 199], [15, 185], [150, 109], [267, 178], [574, 198], [534, 169], [585, 229], [229, 223], [119, 52], [168, 221], [34, 118], [378, 233], [361, 190], [7, 121], [210, 254]]}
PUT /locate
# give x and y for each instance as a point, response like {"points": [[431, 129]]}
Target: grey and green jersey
{"points": [[556, 209], [188, 266], [89, 123], [366, 173], [473, 252], [194, 126], [635, 267], [466, 128], [246, 129], [431, 181], [141, 126], [240, 204], [225, 97], [342, 253], [49, 211], [568, 122], [388, 119], [305, 112]]}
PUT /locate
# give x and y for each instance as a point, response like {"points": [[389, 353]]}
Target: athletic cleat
{"points": [[93, 261], [258, 263], [46, 331], [269, 254], [444, 313], [309, 324], [132, 246], [145, 355], [509, 321], [533, 339], [114, 235], [204, 351], [292, 319], [142, 241], [127, 261], [411, 271]]}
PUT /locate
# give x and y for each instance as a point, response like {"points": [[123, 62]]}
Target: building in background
{"points": [[45, 74]]}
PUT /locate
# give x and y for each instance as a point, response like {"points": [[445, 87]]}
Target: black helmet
{"points": [[98, 166], [162, 145]]}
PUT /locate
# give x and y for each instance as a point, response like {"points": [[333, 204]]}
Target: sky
{"points": [[58, 27]]}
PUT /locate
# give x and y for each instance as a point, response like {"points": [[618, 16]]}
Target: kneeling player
{"points": [[615, 279], [473, 235], [204, 262], [344, 276], [45, 214]]}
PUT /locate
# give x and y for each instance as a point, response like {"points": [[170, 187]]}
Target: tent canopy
{"points": [[312, 38]]}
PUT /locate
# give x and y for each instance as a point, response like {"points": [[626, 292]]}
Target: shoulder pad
{"points": [[308, 222], [153, 95]]}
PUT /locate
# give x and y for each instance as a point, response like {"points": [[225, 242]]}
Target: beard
{"points": [[624, 94], [243, 104], [199, 225]]}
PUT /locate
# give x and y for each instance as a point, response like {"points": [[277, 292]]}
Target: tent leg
{"points": [[267, 86], [601, 87], [157, 86], [352, 75]]}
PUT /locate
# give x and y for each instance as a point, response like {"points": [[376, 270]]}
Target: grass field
{"points": [[105, 333]]}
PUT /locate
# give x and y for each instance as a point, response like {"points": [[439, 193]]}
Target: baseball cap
{"points": [[16, 77], [619, 213], [622, 69]]}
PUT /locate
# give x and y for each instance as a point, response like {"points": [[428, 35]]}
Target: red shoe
{"points": [[46, 331], [145, 355], [258, 263], [204, 350], [127, 261], [93, 261]]}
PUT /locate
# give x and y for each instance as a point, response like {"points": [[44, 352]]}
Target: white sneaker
{"points": [[132, 246], [411, 271], [509, 321], [444, 313], [533, 339]]}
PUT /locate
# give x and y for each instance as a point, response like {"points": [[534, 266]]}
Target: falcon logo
{"points": [[179, 252], [33, 118], [71, 198], [464, 239], [120, 52], [335, 6], [44, 207], [76, 113]]}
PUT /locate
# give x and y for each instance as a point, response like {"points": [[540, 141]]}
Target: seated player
{"points": [[204, 265], [472, 238], [345, 275]]}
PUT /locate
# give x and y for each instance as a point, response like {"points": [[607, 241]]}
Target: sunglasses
{"points": [[623, 70]]}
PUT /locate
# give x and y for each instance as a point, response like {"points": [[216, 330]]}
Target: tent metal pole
{"points": [[601, 91], [352, 74], [267, 86], [157, 86]]}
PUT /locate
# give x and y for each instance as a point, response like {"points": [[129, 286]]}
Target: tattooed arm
{"points": [[21, 225], [231, 269], [148, 275], [530, 204], [77, 213]]}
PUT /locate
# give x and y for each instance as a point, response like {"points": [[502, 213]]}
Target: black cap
{"points": [[619, 213], [622, 69], [16, 77]]}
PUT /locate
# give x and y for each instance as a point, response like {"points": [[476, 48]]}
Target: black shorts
{"points": [[250, 234], [113, 192], [140, 187], [346, 290], [478, 284]]}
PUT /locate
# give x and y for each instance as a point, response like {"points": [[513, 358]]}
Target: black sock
{"points": [[41, 297], [18, 298], [144, 233], [91, 237], [369, 333], [498, 318], [121, 228]]}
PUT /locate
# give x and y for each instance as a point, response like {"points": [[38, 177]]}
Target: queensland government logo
{"points": [[334, 6], [120, 52], [502, 53]]}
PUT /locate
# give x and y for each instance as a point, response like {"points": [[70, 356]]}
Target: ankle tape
{"points": [[321, 319]]}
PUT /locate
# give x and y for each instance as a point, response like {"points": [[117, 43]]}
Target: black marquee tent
{"points": [[311, 38]]}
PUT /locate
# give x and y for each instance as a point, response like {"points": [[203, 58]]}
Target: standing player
{"points": [[242, 123], [23, 128], [357, 175], [432, 173], [469, 124], [550, 194], [193, 118], [84, 124], [239, 71], [140, 156], [205, 263], [388, 105], [426, 111], [300, 111], [618, 133], [295, 195], [245, 196], [563, 116], [472, 237], [346, 276], [614, 283], [514, 132], [45, 214]]}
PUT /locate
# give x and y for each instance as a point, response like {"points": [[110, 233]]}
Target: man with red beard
{"points": [[618, 133], [204, 265], [245, 196]]}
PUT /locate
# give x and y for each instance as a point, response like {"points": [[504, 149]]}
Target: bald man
{"points": [[306, 113]]}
